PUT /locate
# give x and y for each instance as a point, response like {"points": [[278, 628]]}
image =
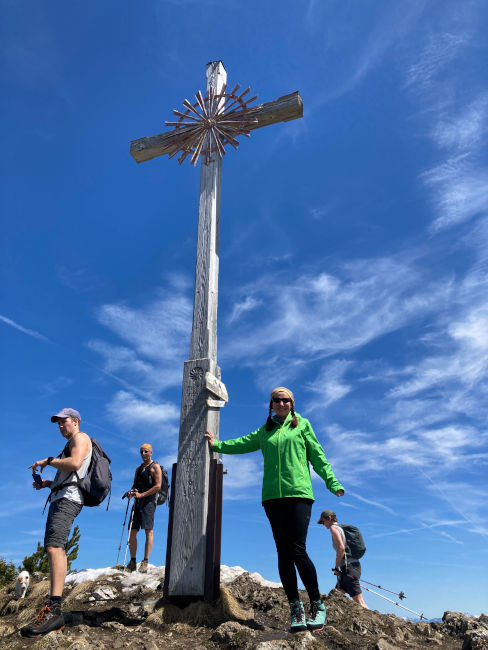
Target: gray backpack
{"points": [[355, 546], [96, 484]]}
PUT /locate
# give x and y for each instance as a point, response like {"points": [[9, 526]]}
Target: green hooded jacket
{"points": [[287, 453]]}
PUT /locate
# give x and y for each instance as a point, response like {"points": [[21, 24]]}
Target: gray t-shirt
{"points": [[71, 492]]}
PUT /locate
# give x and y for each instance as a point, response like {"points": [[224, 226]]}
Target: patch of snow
{"points": [[152, 579], [230, 573], [155, 575], [89, 574]]}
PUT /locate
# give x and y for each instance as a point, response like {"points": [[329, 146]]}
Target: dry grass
{"points": [[78, 592], [199, 613]]}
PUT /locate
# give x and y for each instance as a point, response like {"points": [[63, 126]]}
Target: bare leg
{"points": [[58, 568], [360, 600], [149, 543], [133, 543]]}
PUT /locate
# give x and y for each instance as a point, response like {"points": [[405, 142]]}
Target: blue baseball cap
{"points": [[66, 413]]}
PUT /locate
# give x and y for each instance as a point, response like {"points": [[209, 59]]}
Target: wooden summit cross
{"points": [[204, 129]]}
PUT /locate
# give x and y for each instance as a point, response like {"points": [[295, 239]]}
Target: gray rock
{"points": [[113, 625], [233, 634], [384, 644], [298, 641], [104, 593]]}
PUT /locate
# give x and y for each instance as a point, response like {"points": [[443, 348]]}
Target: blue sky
{"points": [[353, 266]]}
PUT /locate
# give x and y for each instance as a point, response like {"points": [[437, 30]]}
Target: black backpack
{"points": [[162, 494], [96, 484], [355, 546]]}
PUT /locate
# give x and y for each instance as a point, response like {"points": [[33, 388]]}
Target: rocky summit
{"points": [[119, 611]]}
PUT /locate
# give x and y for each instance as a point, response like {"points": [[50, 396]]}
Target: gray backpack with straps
{"points": [[355, 546], [96, 484]]}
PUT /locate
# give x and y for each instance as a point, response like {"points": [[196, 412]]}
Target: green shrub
{"points": [[39, 560], [7, 572]]}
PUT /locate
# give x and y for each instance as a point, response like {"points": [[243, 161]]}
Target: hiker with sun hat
{"points": [[289, 444]]}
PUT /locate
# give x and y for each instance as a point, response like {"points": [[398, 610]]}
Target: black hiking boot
{"points": [[49, 619]]}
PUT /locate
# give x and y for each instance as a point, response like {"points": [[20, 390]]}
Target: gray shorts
{"points": [[348, 581], [144, 513], [60, 518]]}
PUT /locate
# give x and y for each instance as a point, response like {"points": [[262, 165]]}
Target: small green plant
{"points": [[39, 560], [7, 572], [73, 546]]}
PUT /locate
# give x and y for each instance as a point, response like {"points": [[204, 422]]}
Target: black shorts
{"points": [[60, 518], [144, 514], [348, 581]]}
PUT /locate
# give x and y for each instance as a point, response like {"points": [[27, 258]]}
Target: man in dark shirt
{"points": [[147, 482]]}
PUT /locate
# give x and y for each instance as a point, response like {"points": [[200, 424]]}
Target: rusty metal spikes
{"points": [[207, 126]]}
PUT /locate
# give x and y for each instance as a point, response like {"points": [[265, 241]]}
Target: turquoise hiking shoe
{"points": [[297, 617], [318, 616]]}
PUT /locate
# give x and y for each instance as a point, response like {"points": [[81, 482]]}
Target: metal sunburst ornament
{"points": [[211, 123]]}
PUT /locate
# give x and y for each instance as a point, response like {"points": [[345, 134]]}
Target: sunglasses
{"points": [[277, 400], [145, 451]]}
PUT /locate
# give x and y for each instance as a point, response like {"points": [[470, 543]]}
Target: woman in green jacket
{"points": [[289, 444]]}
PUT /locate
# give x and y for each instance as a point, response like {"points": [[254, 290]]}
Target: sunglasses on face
{"points": [[144, 451], [277, 400]]}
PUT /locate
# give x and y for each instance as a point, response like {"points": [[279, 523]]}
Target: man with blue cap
{"points": [[66, 503]]}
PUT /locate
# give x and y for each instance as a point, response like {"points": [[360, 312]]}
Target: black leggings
{"points": [[289, 519]]}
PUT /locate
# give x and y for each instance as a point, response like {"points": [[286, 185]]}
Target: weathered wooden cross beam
{"points": [[286, 108], [193, 546]]}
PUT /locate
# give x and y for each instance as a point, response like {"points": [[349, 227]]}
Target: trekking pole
{"points": [[128, 535], [123, 526], [421, 616], [401, 595]]}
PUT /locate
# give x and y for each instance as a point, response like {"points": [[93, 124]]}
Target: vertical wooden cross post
{"points": [[205, 128]]}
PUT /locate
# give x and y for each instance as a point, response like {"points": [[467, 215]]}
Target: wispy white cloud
{"points": [[374, 35], [156, 339], [440, 50], [55, 386], [459, 190], [436, 451], [423, 527], [371, 502], [24, 330], [79, 279], [471, 506], [35, 533], [129, 411], [465, 361], [458, 121], [158, 330], [330, 314], [329, 385], [318, 213], [248, 304], [244, 476], [464, 131]]}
